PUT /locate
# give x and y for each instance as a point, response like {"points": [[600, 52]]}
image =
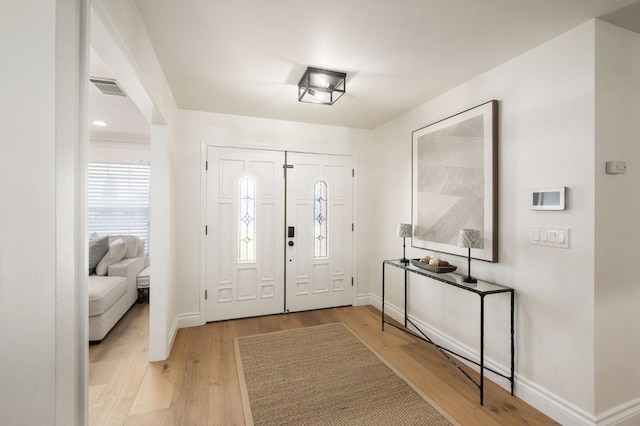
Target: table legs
{"points": [[383, 296]]}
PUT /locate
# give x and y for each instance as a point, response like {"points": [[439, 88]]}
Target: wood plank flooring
{"points": [[198, 384]]}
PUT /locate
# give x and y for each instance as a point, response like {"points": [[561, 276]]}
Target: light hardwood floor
{"points": [[198, 384]]}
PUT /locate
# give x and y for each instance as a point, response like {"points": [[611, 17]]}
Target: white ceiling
{"points": [[246, 57], [124, 120]]}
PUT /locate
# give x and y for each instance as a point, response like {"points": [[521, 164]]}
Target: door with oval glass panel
{"points": [[319, 231]]}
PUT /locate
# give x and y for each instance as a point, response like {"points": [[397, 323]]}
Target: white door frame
{"points": [[204, 145]]}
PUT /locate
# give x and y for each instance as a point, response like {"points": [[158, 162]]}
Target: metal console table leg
{"points": [[383, 296], [481, 349], [483, 289]]}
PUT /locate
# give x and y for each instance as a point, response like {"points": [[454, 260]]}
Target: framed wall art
{"points": [[455, 182]]}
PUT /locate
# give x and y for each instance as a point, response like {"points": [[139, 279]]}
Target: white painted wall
{"points": [[546, 139], [196, 128], [617, 282], [42, 260], [119, 152], [162, 307]]}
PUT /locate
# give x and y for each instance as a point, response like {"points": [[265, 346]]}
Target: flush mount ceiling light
{"points": [[319, 86]]}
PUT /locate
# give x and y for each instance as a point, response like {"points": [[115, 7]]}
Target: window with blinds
{"points": [[119, 200]]}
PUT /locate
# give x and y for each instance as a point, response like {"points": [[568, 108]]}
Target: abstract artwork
{"points": [[455, 164]]}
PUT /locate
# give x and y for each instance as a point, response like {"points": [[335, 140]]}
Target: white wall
{"points": [[546, 127], [196, 128], [119, 152], [617, 282], [42, 259]]}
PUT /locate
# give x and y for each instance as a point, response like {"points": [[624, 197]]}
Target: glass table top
{"points": [[452, 278]]}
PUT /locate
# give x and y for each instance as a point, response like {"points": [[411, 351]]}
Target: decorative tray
{"points": [[433, 268]]}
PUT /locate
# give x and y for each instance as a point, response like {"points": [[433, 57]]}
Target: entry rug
{"points": [[324, 375]]}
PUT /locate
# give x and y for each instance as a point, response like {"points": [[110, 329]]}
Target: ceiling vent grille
{"points": [[108, 86]]}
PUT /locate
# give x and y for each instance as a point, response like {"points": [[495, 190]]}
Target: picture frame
{"points": [[455, 182]]}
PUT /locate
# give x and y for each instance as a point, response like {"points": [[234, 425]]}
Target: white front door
{"points": [[245, 233], [249, 251], [319, 231]]}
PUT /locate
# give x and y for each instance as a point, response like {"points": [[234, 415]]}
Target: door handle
{"points": [[290, 243]]}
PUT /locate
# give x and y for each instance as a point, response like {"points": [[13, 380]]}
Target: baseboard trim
{"points": [[627, 413], [190, 319], [172, 335], [568, 414], [368, 299], [551, 404]]}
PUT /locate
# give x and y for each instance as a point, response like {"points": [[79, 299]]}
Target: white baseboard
{"points": [[626, 414], [368, 299], [191, 319], [172, 335], [551, 404], [565, 413]]}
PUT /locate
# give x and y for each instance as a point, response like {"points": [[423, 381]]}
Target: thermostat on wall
{"points": [[548, 198], [616, 167]]}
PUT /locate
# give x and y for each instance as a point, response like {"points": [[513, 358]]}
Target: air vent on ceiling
{"points": [[108, 86]]}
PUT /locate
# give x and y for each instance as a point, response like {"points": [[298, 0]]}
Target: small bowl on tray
{"points": [[433, 268]]}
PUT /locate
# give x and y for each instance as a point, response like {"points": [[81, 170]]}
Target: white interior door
{"points": [[319, 209], [245, 233]]}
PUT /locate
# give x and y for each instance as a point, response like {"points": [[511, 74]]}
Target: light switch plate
{"points": [[550, 237]]}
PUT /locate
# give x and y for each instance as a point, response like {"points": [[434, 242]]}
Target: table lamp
{"points": [[404, 231], [469, 238]]}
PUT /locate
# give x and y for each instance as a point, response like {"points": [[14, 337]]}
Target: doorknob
{"points": [[290, 243]]}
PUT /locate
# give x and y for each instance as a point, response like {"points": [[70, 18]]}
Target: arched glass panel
{"points": [[247, 220], [320, 234]]}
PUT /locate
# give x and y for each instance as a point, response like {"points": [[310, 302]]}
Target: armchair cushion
{"points": [[127, 267], [117, 250], [104, 292], [98, 247], [133, 243]]}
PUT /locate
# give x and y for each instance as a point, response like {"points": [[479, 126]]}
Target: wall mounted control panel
{"points": [[616, 167], [553, 237], [548, 198]]}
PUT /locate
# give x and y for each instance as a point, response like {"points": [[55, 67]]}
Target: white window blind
{"points": [[119, 200]]}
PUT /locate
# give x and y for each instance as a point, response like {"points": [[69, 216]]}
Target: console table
{"points": [[482, 289]]}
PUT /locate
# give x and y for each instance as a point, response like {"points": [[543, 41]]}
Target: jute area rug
{"points": [[324, 375]]}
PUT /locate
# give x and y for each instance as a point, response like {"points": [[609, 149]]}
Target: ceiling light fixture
{"points": [[318, 86], [99, 123]]}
